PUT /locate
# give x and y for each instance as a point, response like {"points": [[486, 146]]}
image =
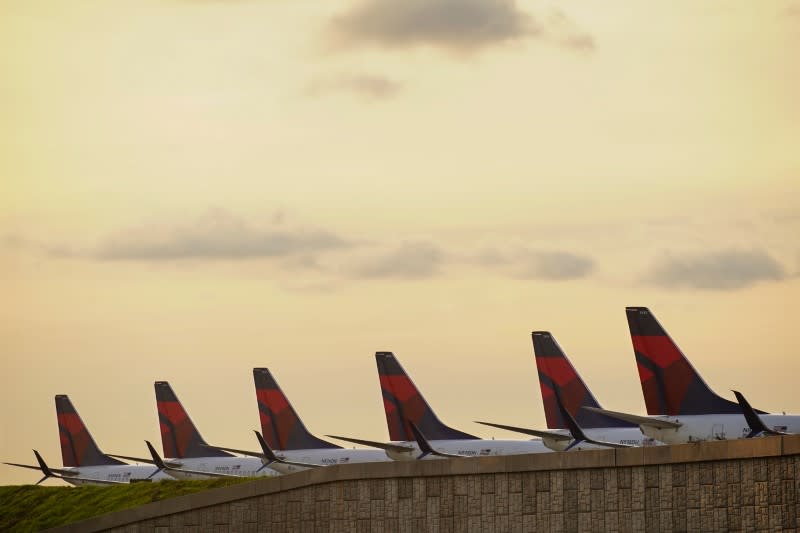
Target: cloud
{"points": [[16, 242], [548, 265], [13, 241], [410, 260], [461, 26], [783, 216], [565, 32], [579, 41], [792, 11], [215, 235], [717, 270], [553, 266], [456, 24], [367, 85]]}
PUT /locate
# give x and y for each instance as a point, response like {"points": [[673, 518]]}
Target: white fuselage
{"points": [[630, 436], [326, 457], [114, 473], [715, 427], [471, 448], [232, 466]]}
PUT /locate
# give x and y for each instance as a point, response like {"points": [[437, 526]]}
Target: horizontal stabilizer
{"points": [[532, 432], [375, 444], [638, 419], [248, 453], [174, 464]]}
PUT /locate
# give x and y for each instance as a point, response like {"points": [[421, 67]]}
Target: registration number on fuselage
{"points": [[473, 453]]}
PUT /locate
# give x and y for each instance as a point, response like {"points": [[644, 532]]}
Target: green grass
{"points": [[33, 508]]}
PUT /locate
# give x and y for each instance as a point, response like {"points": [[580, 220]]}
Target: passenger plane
{"points": [[405, 408], [186, 453], [558, 379], [285, 435], [681, 406], [84, 463]]}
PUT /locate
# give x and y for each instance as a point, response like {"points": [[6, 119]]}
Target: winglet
{"points": [[269, 455], [757, 426], [45, 469], [424, 446], [579, 435], [572, 426], [156, 459]]}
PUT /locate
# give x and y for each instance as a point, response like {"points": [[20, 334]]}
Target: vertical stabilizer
{"points": [[179, 436], [557, 376], [670, 384], [77, 445], [403, 402], [281, 427]]}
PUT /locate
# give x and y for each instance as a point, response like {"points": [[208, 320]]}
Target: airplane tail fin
{"points": [[670, 384], [77, 445], [403, 403], [179, 436], [281, 427], [557, 377]]}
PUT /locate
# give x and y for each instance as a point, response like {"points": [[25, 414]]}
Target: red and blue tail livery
{"points": [[557, 376], [403, 403], [670, 384], [77, 445], [281, 428], [179, 436]]}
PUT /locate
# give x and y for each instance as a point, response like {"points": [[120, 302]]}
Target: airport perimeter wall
{"points": [[743, 485]]}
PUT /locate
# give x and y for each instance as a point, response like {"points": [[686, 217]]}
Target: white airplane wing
{"points": [[400, 448], [526, 431], [659, 423]]}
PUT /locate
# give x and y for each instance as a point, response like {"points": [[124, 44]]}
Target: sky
{"points": [[193, 188]]}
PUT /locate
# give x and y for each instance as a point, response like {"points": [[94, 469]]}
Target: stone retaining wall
{"points": [[742, 485]]}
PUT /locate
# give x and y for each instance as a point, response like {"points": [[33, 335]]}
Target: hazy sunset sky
{"points": [[189, 189]]}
